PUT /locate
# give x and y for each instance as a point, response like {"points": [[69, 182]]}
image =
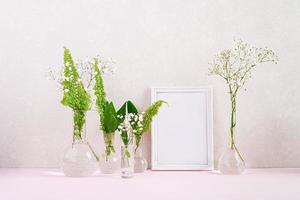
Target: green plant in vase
{"points": [[75, 96], [235, 67], [125, 130], [108, 121], [80, 159], [138, 124]]}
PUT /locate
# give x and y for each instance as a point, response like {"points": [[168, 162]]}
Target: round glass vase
{"points": [[127, 161], [109, 162], [231, 162], [79, 159], [140, 163]]}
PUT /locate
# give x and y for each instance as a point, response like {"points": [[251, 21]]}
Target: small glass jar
{"points": [[79, 159], [127, 161], [140, 163]]}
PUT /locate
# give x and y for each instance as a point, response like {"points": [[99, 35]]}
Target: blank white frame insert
{"points": [[182, 132]]}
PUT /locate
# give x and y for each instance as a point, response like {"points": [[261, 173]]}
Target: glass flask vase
{"points": [[79, 159], [231, 162], [140, 163], [109, 162], [127, 161]]}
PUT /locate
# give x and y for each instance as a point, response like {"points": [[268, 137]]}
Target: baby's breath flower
{"points": [[235, 67]]}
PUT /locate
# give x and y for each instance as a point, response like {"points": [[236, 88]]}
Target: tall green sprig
{"points": [[99, 92], [75, 96], [126, 111], [139, 122], [150, 113], [148, 116], [106, 110]]}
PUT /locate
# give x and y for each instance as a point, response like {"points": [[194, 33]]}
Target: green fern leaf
{"points": [[150, 113]]}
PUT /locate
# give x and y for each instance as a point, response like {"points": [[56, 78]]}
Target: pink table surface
{"points": [[50, 184]]}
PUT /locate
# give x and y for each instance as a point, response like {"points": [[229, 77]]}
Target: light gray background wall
{"points": [[155, 43]]}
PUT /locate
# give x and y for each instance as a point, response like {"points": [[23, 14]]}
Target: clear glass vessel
{"points": [[140, 163], [79, 159], [127, 161], [109, 162], [231, 162]]}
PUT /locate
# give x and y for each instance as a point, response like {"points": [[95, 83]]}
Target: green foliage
{"points": [[127, 154], [110, 118], [79, 121], [110, 125], [99, 92], [140, 123], [150, 113], [125, 138], [130, 109], [75, 95], [108, 140], [106, 110], [122, 112]]}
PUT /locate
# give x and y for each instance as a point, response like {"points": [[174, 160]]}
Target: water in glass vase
{"points": [[127, 161], [140, 163], [231, 162], [79, 159], [109, 162]]}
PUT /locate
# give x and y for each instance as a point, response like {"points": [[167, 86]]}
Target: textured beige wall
{"points": [[155, 43]]}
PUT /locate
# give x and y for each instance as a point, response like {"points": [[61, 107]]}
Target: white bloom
{"points": [[141, 118]]}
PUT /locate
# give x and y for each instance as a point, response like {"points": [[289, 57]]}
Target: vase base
{"points": [[230, 162], [126, 174]]}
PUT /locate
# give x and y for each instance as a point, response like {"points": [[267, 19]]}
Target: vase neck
{"points": [[138, 151], [232, 119], [109, 138], [79, 126]]}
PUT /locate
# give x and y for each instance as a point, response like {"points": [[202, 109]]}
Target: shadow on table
{"points": [[56, 173]]}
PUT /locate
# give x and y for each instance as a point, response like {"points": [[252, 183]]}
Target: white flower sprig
{"points": [[85, 70], [132, 121], [132, 125], [235, 67]]}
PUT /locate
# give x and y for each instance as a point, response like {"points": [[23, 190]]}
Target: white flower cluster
{"points": [[106, 66], [235, 65], [85, 72], [56, 76], [132, 122]]}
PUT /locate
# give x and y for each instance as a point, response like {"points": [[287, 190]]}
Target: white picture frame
{"points": [[182, 132]]}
